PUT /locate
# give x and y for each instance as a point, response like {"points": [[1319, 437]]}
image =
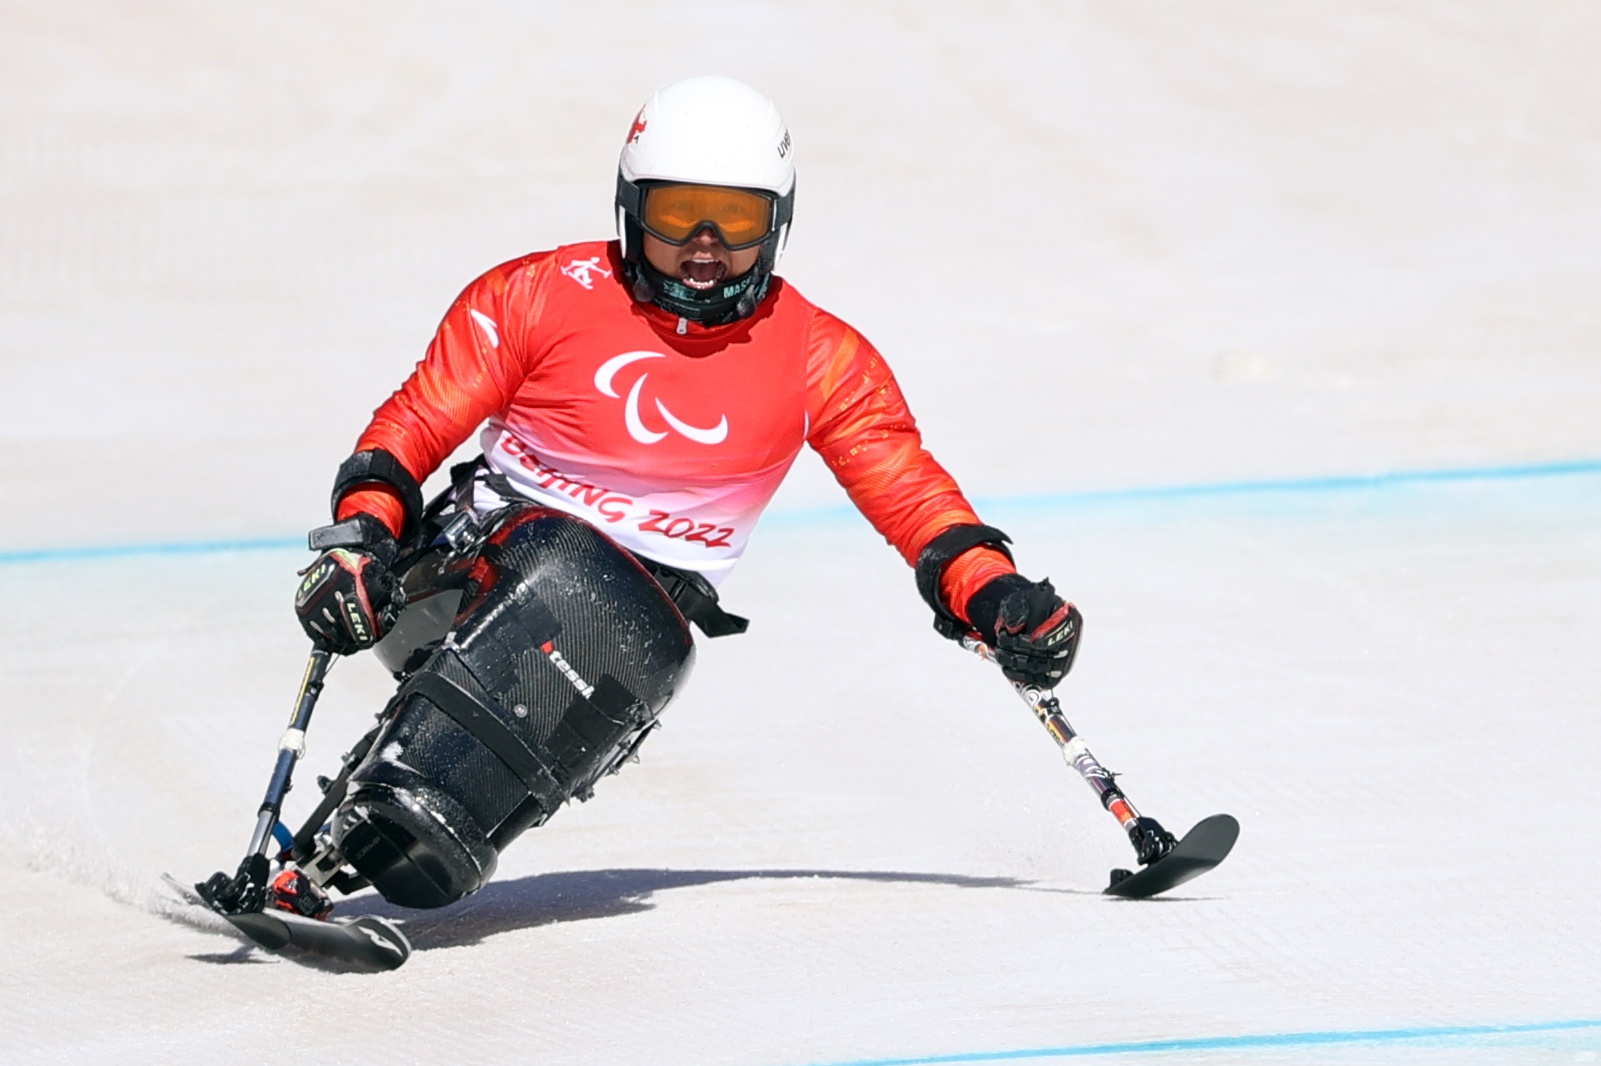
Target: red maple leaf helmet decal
{"points": [[637, 128]]}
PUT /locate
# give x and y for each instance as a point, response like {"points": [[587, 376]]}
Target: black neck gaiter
{"points": [[716, 306]]}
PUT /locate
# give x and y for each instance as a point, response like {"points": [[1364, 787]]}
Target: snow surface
{"points": [[1106, 247]]}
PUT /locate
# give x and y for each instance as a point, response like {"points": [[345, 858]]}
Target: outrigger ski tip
{"points": [[1202, 848]]}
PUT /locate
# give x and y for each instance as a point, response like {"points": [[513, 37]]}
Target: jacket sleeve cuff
{"points": [[968, 573], [380, 501]]}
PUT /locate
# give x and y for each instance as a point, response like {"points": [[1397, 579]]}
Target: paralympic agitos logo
{"points": [[631, 414]]}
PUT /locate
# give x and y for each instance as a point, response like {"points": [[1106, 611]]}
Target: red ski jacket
{"points": [[670, 436]]}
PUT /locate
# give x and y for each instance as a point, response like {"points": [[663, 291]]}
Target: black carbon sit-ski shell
{"points": [[564, 653]]}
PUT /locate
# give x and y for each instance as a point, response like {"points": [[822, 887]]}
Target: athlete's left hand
{"points": [[349, 598], [1035, 631]]}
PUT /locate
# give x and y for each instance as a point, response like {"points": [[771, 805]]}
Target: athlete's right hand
{"points": [[349, 597]]}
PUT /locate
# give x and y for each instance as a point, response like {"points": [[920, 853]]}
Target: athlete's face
{"points": [[701, 262]]}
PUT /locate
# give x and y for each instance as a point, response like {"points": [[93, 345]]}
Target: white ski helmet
{"points": [[706, 130]]}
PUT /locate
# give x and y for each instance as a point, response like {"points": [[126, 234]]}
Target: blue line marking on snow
{"points": [[1335, 483], [1456, 1034], [190, 547], [1210, 490]]}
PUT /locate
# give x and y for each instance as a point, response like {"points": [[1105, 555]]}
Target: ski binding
{"points": [[365, 942]]}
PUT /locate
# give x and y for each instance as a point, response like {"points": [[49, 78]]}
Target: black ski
{"points": [[1202, 848], [366, 942]]}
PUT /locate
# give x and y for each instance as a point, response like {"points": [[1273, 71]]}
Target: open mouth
{"points": [[701, 273]]}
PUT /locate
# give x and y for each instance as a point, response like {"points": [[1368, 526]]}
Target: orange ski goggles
{"points": [[675, 213]]}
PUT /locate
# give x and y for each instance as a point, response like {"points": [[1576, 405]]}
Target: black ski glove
{"points": [[349, 597], [1033, 630]]}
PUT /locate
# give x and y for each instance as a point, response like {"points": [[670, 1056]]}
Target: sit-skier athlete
{"points": [[640, 401]]}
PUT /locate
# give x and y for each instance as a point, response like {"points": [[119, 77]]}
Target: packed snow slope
{"points": [[1110, 250]]}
